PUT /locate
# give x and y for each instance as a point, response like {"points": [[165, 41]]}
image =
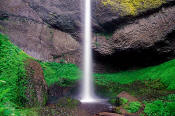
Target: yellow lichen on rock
{"points": [[132, 7]]}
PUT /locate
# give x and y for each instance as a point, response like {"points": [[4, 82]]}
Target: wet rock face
{"points": [[36, 88], [26, 29], [50, 30], [143, 33], [149, 40], [55, 92], [61, 14]]}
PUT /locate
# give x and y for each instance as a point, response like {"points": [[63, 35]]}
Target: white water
{"points": [[87, 82]]}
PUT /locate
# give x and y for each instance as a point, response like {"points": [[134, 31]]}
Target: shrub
{"points": [[134, 107], [63, 74], [123, 101], [160, 108], [12, 79], [155, 84]]}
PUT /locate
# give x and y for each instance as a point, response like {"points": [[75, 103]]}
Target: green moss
{"points": [[155, 84], [160, 108], [123, 101], [165, 72], [134, 107], [61, 73], [68, 102], [12, 78], [132, 7]]}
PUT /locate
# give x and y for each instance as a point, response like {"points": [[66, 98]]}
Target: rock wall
{"points": [[50, 30], [143, 33], [28, 31], [146, 41]]}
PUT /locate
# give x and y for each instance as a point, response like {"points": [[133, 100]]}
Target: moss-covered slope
{"points": [[60, 73], [165, 72], [12, 80]]}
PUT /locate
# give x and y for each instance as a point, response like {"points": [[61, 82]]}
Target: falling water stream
{"points": [[87, 82], [87, 90]]}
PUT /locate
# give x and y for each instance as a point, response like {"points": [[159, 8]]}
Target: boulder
{"points": [[108, 114], [127, 96], [36, 87]]}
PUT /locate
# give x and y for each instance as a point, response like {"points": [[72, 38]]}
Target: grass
{"points": [[59, 72], [165, 72], [12, 79]]}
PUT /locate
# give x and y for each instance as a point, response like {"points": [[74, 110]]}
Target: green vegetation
{"points": [[151, 82], [134, 107], [164, 73], [61, 73], [123, 101], [68, 102], [12, 79], [164, 107], [132, 7]]}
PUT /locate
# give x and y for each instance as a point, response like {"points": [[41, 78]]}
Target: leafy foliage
{"points": [[12, 78], [12, 81], [162, 73], [160, 108], [132, 7], [123, 101], [134, 107], [61, 73]]}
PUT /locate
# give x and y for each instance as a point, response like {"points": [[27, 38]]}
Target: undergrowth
{"points": [[12, 79], [59, 72], [161, 107], [133, 107], [165, 72], [153, 79]]}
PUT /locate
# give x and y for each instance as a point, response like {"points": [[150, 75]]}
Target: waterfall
{"points": [[87, 81]]}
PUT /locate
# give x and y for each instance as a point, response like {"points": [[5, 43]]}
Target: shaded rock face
{"points": [[36, 89], [62, 14], [28, 31], [55, 92], [65, 15], [143, 33], [149, 40], [50, 30]]}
